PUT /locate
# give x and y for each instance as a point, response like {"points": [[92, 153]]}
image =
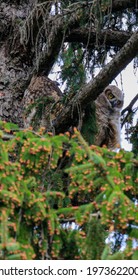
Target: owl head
{"points": [[114, 97], [111, 99]]}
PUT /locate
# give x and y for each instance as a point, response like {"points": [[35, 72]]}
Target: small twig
{"points": [[135, 162], [129, 107], [6, 137], [73, 219], [69, 220], [11, 136]]}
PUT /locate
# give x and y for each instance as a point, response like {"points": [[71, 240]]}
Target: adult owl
{"points": [[39, 102], [108, 107]]}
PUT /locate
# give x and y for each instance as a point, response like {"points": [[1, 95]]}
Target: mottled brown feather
{"points": [[41, 102], [108, 117]]}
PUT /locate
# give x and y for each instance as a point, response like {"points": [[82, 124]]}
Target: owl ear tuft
{"points": [[108, 91]]}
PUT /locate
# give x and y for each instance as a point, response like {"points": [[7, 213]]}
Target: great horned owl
{"points": [[108, 107], [38, 102]]}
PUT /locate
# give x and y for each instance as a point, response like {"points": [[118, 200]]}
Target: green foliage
{"points": [[51, 189], [95, 239], [73, 70], [89, 128], [134, 138]]}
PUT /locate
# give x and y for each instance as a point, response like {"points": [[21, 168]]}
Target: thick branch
{"points": [[118, 5], [54, 41], [91, 91], [106, 37], [60, 25], [38, 16]]}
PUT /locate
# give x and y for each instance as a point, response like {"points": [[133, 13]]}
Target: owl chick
{"points": [[38, 102], [108, 107]]}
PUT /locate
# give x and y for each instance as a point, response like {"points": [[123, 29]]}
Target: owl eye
{"points": [[110, 95], [118, 102]]}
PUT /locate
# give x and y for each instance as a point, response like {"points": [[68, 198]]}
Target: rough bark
{"points": [[18, 47], [91, 91]]}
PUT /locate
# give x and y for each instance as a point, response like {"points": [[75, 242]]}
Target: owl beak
{"points": [[113, 103]]}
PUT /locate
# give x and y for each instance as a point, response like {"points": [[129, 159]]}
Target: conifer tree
{"points": [[60, 196]]}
